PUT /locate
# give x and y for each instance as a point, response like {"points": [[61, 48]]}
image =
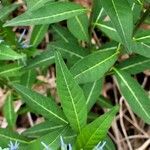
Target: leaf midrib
{"points": [[96, 65], [132, 92], [72, 101], [46, 17], [42, 106]]}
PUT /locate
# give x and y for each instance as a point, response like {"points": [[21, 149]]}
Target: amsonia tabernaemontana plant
{"points": [[81, 62]]}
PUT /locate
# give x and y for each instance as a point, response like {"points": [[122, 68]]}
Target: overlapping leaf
{"points": [[133, 93], [41, 104], [121, 16], [94, 66], [59, 11], [96, 131], [78, 26], [71, 95]]}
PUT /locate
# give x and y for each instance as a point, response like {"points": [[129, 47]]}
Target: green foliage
{"points": [[82, 61]]}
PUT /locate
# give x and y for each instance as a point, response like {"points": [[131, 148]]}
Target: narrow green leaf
{"points": [[97, 12], [134, 95], [28, 78], [38, 34], [52, 139], [59, 11], [6, 10], [109, 30], [109, 144], [71, 95], [44, 59], [78, 26], [9, 112], [42, 129], [96, 131], [11, 70], [105, 103], [34, 4], [121, 17], [7, 135], [41, 104], [92, 92], [94, 66], [6, 53], [141, 48], [135, 64], [142, 36], [69, 50], [63, 34]]}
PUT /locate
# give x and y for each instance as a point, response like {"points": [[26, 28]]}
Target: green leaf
{"points": [[6, 53], [59, 11], [109, 30], [97, 12], [28, 78], [105, 103], [38, 34], [109, 144], [42, 129], [44, 59], [62, 34], [92, 92], [41, 104], [7, 135], [134, 95], [9, 112], [6, 10], [68, 50], [135, 64], [141, 48], [94, 66], [11, 70], [96, 131], [78, 26], [71, 95], [142, 36], [121, 17], [52, 140], [34, 4]]}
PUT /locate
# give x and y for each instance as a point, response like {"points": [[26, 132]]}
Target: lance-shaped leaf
{"points": [[42, 129], [11, 70], [142, 36], [44, 59], [7, 135], [38, 34], [94, 66], [109, 30], [121, 16], [34, 4], [135, 64], [141, 48], [6, 10], [97, 12], [78, 26], [71, 95], [41, 104], [59, 11], [92, 92], [109, 144], [96, 131], [28, 78], [68, 50], [9, 112], [6, 53], [51, 140], [133, 93], [62, 34]]}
